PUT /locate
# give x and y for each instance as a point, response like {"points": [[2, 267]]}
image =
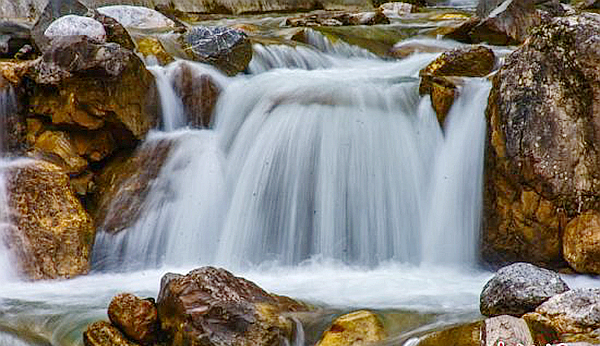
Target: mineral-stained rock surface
{"points": [[136, 318], [357, 328]]}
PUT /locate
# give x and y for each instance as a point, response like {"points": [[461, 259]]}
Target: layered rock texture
{"points": [[542, 159]]}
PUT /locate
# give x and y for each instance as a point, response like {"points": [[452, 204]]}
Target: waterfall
{"points": [[324, 156]]}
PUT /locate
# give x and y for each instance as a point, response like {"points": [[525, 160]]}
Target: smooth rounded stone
{"points": [[136, 318], [227, 49], [581, 243], [575, 315], [137, 17], [71, 25], [53, 10], [519, 288], [512, 331], [211, 306], [541, 159], [357, 328], [51, 234], [102, 333]]}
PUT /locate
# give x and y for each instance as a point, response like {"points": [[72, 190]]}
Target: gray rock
{"points": [[228, 49], [72, 25], [511, 330], [137, 17], [54, 10], [519, 288]]}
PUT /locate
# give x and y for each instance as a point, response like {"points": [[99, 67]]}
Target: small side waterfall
{"points": [[344, 162]]}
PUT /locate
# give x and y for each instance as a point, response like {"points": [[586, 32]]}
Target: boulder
{"points": [[136, 318], [541, 166], [210, 306], [575, 315], [328, 18], [476, 61], [13, 36], [227, 49], [52, 11], [357, 328], [397, 9], [76, 74], [581, 242], [52, 234], [72, 25], [519, 288], [509, 330], [123, 184], [508, 24], [102, 333], [198, 92], [137, 17]]}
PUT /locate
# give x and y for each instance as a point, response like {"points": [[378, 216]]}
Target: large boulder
{"points": [[575, 315], [519, 288], [227, 49], [210, 306], [51, 234], [136, 318], [581, 242], [72, 25], [52, 11], [137, 17], [508, 24], [542, 165], [76, 74], [356, 328], [475, 61]]}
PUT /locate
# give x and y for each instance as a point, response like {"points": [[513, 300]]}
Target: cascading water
{"points": [[8, 105]]}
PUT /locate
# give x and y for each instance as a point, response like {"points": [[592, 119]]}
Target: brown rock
{"points": [[123, 185], [136, 318], [581, 243], [541, 165], [357, 328], [151, 46], [75, 76], [464, 62], [102, 333], [463, 335], [199, 94], [56, 146], [94, 145], [337, 18], [210, 306], [52, 234]]}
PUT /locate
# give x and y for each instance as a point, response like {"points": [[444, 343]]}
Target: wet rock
{"points": [[52, 11], [357, 328], [210, 306], [93, 145], [102, 333], [52, 234], [519, 288], [71, 25], [137, 17], [581, 243], [56, 146], [509, 330], [463, 335], [136, 318], [397, 9], [124, 183], [152, 47], [227, 49], [507, 24], [464, 62], [115, 32], [328, 18], [575, 315], [541, 165], [76, 74], [199, 94], [13, 36], [405, 49]]}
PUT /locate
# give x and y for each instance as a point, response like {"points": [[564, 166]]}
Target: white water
{"points": [[8, 105]]}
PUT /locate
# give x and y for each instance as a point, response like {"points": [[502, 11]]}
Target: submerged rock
{"points": [[462, 62], [72, 25], [580, 242], [357, 328], [210, 306], [519, 288], [542, 165], [575, 315], [136, 318], [52, 234], [137, 17], [102, 333], [227, 49]]}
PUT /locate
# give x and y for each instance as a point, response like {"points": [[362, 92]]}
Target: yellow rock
{"points": [[463, 335], [357, 328], [152, 46], [581, 243], [56, 145]]}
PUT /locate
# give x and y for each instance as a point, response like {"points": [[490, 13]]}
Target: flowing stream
{"points": [[323, 176]]}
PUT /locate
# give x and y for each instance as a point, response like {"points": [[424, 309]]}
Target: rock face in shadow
{"points": [[541, 165], [51, 234], [210, 306], [519, 288]]}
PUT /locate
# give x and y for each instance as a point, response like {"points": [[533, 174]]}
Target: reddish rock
{"points": [[136, 318]]}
